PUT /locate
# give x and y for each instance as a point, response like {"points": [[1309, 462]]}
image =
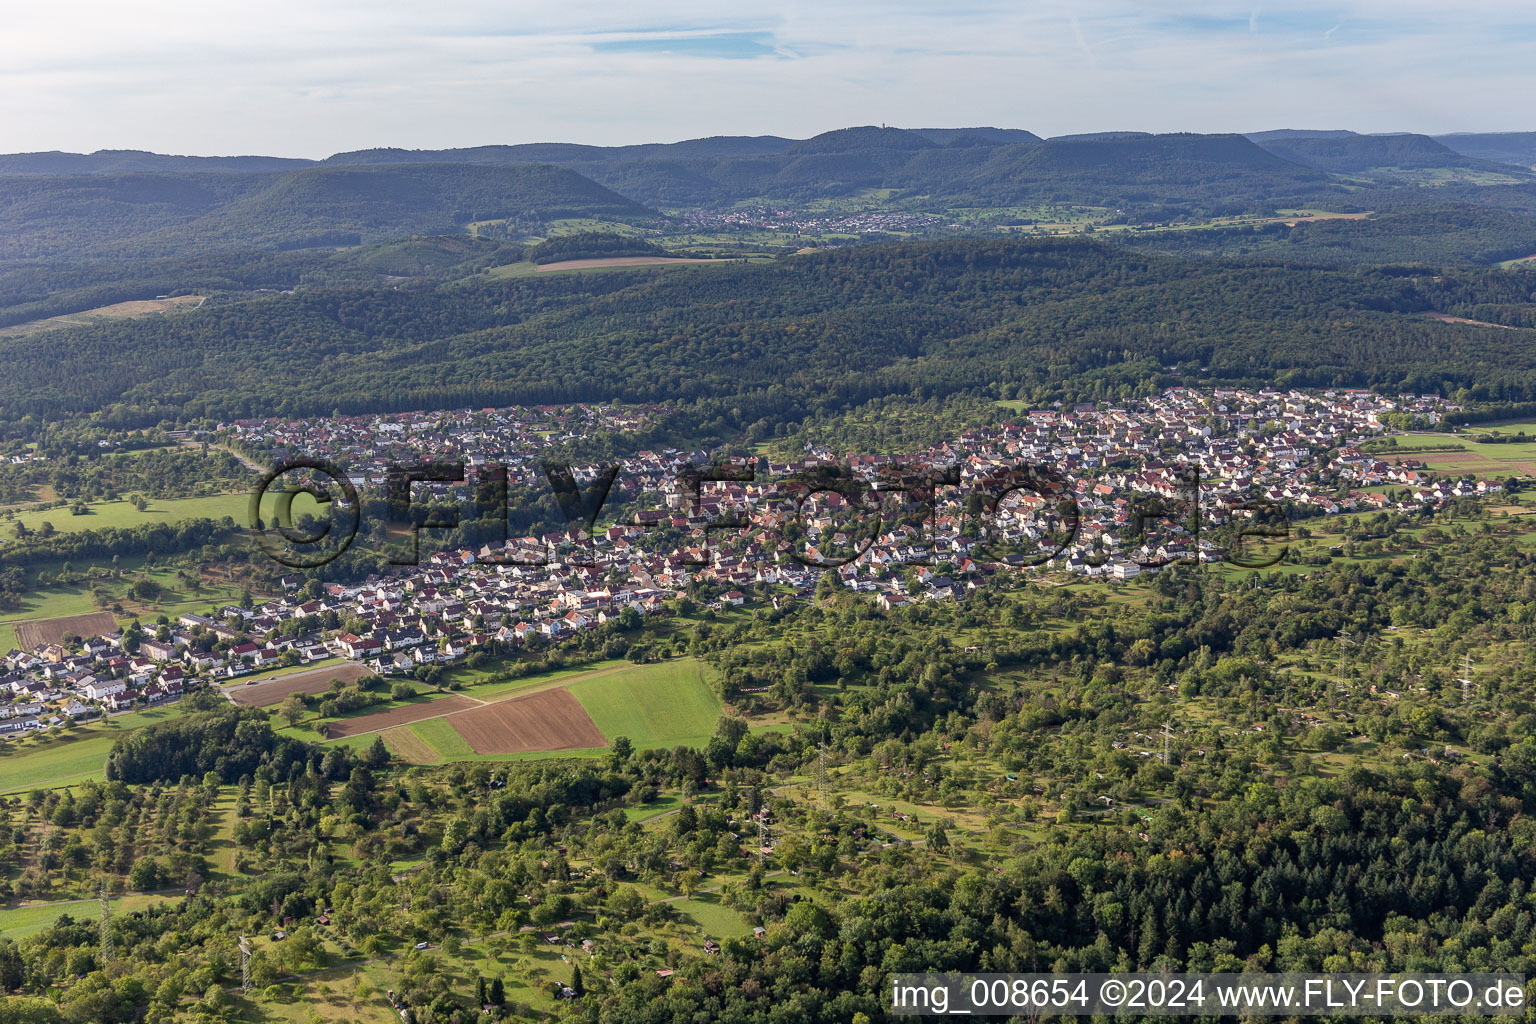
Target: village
{"points": [[732, 543]]}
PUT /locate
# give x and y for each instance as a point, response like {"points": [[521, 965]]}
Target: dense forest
{"points": [[170, 214], [766, 343], [1440, 234], [221, 741]]}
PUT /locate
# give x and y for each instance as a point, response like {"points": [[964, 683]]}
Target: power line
{"points": [[108, 954], [245, 964]]}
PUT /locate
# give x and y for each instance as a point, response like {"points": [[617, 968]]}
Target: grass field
{"points": [[119, 514], [442, 738], [70, 758], [1460, 455], [660, 705], [474, 687], [1504, 427], [55, 602], [19, 922], [711, 919], [409, 747]]}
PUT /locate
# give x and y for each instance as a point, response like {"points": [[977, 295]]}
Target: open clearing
{"points": [[441, 739], [551, 720], [403, 715], [260, 695], [1446, 318], [51, 631], [712, 918], [619, 261], [116, 311]]}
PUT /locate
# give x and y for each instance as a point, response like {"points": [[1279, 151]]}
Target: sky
{"points": [[301, 78]]}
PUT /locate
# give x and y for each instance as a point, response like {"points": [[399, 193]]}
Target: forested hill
{"points": [[136, 161], [1349, 154], [121, 203], [1210, 171], [161, 214], [1445, 233], [755, 345], [985, 164], [1518, 148]]}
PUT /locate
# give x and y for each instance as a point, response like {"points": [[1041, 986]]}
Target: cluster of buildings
{"points": [[769, 536], [1124, 471], [369, 445], [799, 222], [55, 684]]}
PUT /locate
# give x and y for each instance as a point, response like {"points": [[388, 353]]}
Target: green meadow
{"points": [[662, 705], [19, 922], [72, 756], [122, 514], [64, 759]]}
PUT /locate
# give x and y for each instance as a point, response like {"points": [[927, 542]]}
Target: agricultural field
{"points": [[659, 705], [51, 631], [441, 738], [403, 742], [574, 711], [58, 760], [55, 602], [551, 720], [617, 261], [272, 690], [378, 721], [1460, 454], [71, 756], [178, 594]]}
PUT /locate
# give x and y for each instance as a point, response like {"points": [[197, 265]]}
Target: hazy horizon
{"points": [[292, 80], [688, 138]]}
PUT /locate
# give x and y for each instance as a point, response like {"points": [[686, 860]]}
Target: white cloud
{"points": [[293, 78]]}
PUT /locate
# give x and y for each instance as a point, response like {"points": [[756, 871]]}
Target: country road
{"points": [[254, 467]]}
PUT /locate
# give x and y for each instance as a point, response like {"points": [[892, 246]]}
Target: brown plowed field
{"points": [[51, 631], [402, 715], [272, 691], [551, 720]]}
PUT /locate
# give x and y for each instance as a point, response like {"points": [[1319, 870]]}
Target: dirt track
{"points": [[552, 720]]}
